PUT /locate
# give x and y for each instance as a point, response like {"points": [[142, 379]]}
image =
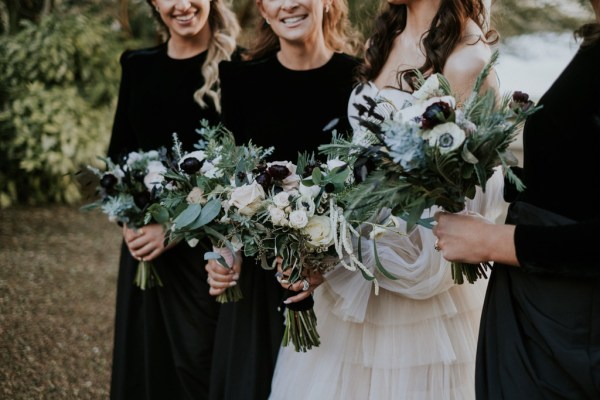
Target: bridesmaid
{"points": [[540, 327], [164, 335], [297, 82]]}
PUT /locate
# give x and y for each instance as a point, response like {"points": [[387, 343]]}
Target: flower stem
{"points": [[230, 295], [146, 276]]}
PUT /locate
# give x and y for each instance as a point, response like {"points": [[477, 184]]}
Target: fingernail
{"points": [[232, 283], [287, 301], [236, 277]]}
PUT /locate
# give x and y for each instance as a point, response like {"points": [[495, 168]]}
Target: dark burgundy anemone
{"points": [[108, 181], [279, 172], [191, 165], [520, 101], [265, 180], [141, 199], [435, 114]]}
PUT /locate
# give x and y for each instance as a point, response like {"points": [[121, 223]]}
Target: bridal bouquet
{"points": [[431, 152], [308, 230], [208, 195], [127, 188]]}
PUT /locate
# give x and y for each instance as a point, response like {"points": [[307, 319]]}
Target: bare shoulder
{"points": [[467, 60]]}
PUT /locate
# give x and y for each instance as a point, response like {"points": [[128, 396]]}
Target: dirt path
{"points": [[58, 269]]}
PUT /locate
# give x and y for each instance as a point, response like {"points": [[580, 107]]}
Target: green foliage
{"points": [[58, 85]]}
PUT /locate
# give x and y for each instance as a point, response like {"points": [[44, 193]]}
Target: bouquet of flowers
{"points": [[431, 152], [127, 188], [307, 228], [208, 195]]}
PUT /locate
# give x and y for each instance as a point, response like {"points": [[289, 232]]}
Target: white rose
{"points": [[278, 216], [196, 196], [320, 231], [309, 191], [248, 198], [281, 199], [298, 219], [447, 137]]}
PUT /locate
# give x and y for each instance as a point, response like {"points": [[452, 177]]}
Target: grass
{"points": [[58, 269]]}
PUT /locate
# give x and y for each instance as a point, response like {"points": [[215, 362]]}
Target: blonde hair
{"points": [[225, 30], [340, 35]]}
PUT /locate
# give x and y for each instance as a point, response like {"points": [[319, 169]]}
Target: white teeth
{"points": [[184, 18], [292, 20]]}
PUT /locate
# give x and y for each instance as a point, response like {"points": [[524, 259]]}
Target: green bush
{"points": [[58, 86]]}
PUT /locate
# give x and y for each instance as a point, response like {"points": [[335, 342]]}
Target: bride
{"points": [[417, 338]]}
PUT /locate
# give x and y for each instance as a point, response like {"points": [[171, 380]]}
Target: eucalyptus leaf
{"points": [[188, 216]]}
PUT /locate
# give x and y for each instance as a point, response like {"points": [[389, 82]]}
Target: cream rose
{"points": [[248, 198], [281, 199], [196, 196], [320, 231], [291, 182], [278, 216]]}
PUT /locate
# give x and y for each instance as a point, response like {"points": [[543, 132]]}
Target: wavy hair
{"points": [[589, 33], [444, 34], [340, 35], [225, 30]]}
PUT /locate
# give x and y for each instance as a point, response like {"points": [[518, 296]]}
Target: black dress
{"points": [[163, 336], [540, 329], [273, 106]]}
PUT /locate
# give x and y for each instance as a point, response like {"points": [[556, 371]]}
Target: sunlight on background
{"points": [[530, 63]]}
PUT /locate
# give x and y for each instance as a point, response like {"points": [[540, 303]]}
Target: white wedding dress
{"points": [[415, 340]]}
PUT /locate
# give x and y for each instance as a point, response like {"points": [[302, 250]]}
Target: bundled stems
{"points": [[230, 295], [471, 271], [301, 325], [146, 276]]}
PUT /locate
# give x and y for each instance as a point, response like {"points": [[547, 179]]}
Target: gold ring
{"points": [[436, 245]]}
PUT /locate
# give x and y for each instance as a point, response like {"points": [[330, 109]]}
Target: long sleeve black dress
{"points": [[273, 106], [164, 335], [540, 329]]}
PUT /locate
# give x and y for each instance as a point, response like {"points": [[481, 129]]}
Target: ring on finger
{"points": [[436, 245]]}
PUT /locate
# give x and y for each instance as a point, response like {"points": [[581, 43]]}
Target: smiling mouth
{"points": [[186, 18], [293, 20]]}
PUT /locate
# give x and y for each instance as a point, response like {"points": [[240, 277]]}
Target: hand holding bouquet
{"points": [[210, 195], [127, 188], [306, 231], [431, 152]]}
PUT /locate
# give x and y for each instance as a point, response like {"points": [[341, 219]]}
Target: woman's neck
{"points": [[181, 47], [304, 56], [419, 15]]}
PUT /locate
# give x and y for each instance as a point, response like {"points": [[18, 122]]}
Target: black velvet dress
{"points": [[163, 335], [540, 329], [273, 106]]}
